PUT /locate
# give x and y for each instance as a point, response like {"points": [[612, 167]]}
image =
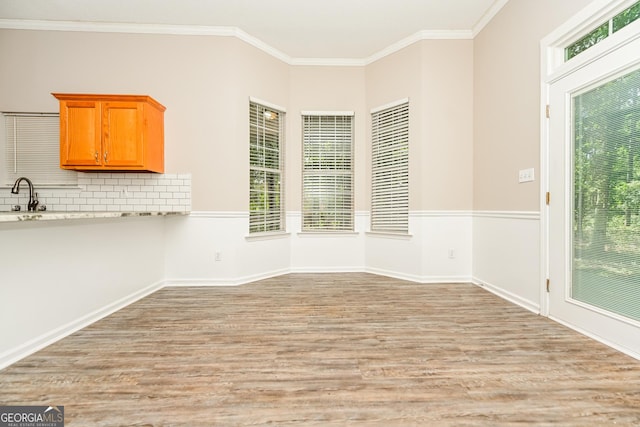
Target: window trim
{"points": [[607, 22], [553, 64]]}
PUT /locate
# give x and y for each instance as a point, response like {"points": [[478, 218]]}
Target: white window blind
{"points": [[606, 196], [390, 169], [32, 150], [327, 175], [266, 201]]}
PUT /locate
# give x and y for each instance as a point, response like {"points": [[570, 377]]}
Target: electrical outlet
{"points": [[526, 175]]}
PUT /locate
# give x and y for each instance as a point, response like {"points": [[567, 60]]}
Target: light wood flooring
{"points": [[328, 350]]}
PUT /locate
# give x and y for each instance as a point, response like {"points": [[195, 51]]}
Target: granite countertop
{"points": [[53, 215]]}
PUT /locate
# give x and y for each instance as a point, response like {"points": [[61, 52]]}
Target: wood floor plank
{"points": [[328, 350]]}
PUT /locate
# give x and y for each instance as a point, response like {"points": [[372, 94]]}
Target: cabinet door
{"points": [[123, 134], [80, 133]]}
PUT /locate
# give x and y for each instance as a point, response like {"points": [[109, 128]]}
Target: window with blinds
{"points": [[327, 173], [390, 169], [32, 150], [266, 201], [606, 196]]}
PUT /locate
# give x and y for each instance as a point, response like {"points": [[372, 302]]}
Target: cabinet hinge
{"points": [[547, 285], [548, 111], [548, 198]]}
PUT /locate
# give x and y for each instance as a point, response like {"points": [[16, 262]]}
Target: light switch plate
{"points": [[526, 175]]}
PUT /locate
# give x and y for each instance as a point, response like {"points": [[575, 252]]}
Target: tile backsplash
{"points": [[100, 191]]}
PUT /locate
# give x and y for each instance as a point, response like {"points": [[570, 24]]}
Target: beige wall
{"points": [[446, 158], [474, 103], [507, 102], [326, 89], [437, 77], [204, 82]]}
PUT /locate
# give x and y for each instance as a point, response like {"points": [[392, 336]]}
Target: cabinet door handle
{"points": [[105, 156], [96, 156]]}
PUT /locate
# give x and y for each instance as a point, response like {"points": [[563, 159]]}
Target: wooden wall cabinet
{"points": [[111, 132]]}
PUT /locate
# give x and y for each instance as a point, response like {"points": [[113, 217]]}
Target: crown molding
{"points": [[416, 37], [488, 16], [117, 27], [329, 62], [198, 30], [112, 27]]}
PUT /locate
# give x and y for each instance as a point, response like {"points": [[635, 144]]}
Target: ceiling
{"points": [[340, 29]]}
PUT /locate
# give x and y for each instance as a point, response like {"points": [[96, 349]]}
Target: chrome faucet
{"points": [[33, 201]]}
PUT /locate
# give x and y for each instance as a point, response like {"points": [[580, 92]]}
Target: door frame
{"points": [[553, 67]]}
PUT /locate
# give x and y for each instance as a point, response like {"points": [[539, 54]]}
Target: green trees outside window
{"points": [[606, 220]]}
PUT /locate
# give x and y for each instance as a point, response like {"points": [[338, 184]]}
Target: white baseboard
{"points": [[417, 278], [358, 269], [598, 338], [237, 281], [38, 343], [509, 296]]}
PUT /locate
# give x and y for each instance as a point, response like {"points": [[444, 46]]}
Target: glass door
{"points": [[594, 213]]}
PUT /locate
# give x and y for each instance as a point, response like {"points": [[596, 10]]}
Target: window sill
{"points": [[389, 235], [266, 236], [307, 234]]}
